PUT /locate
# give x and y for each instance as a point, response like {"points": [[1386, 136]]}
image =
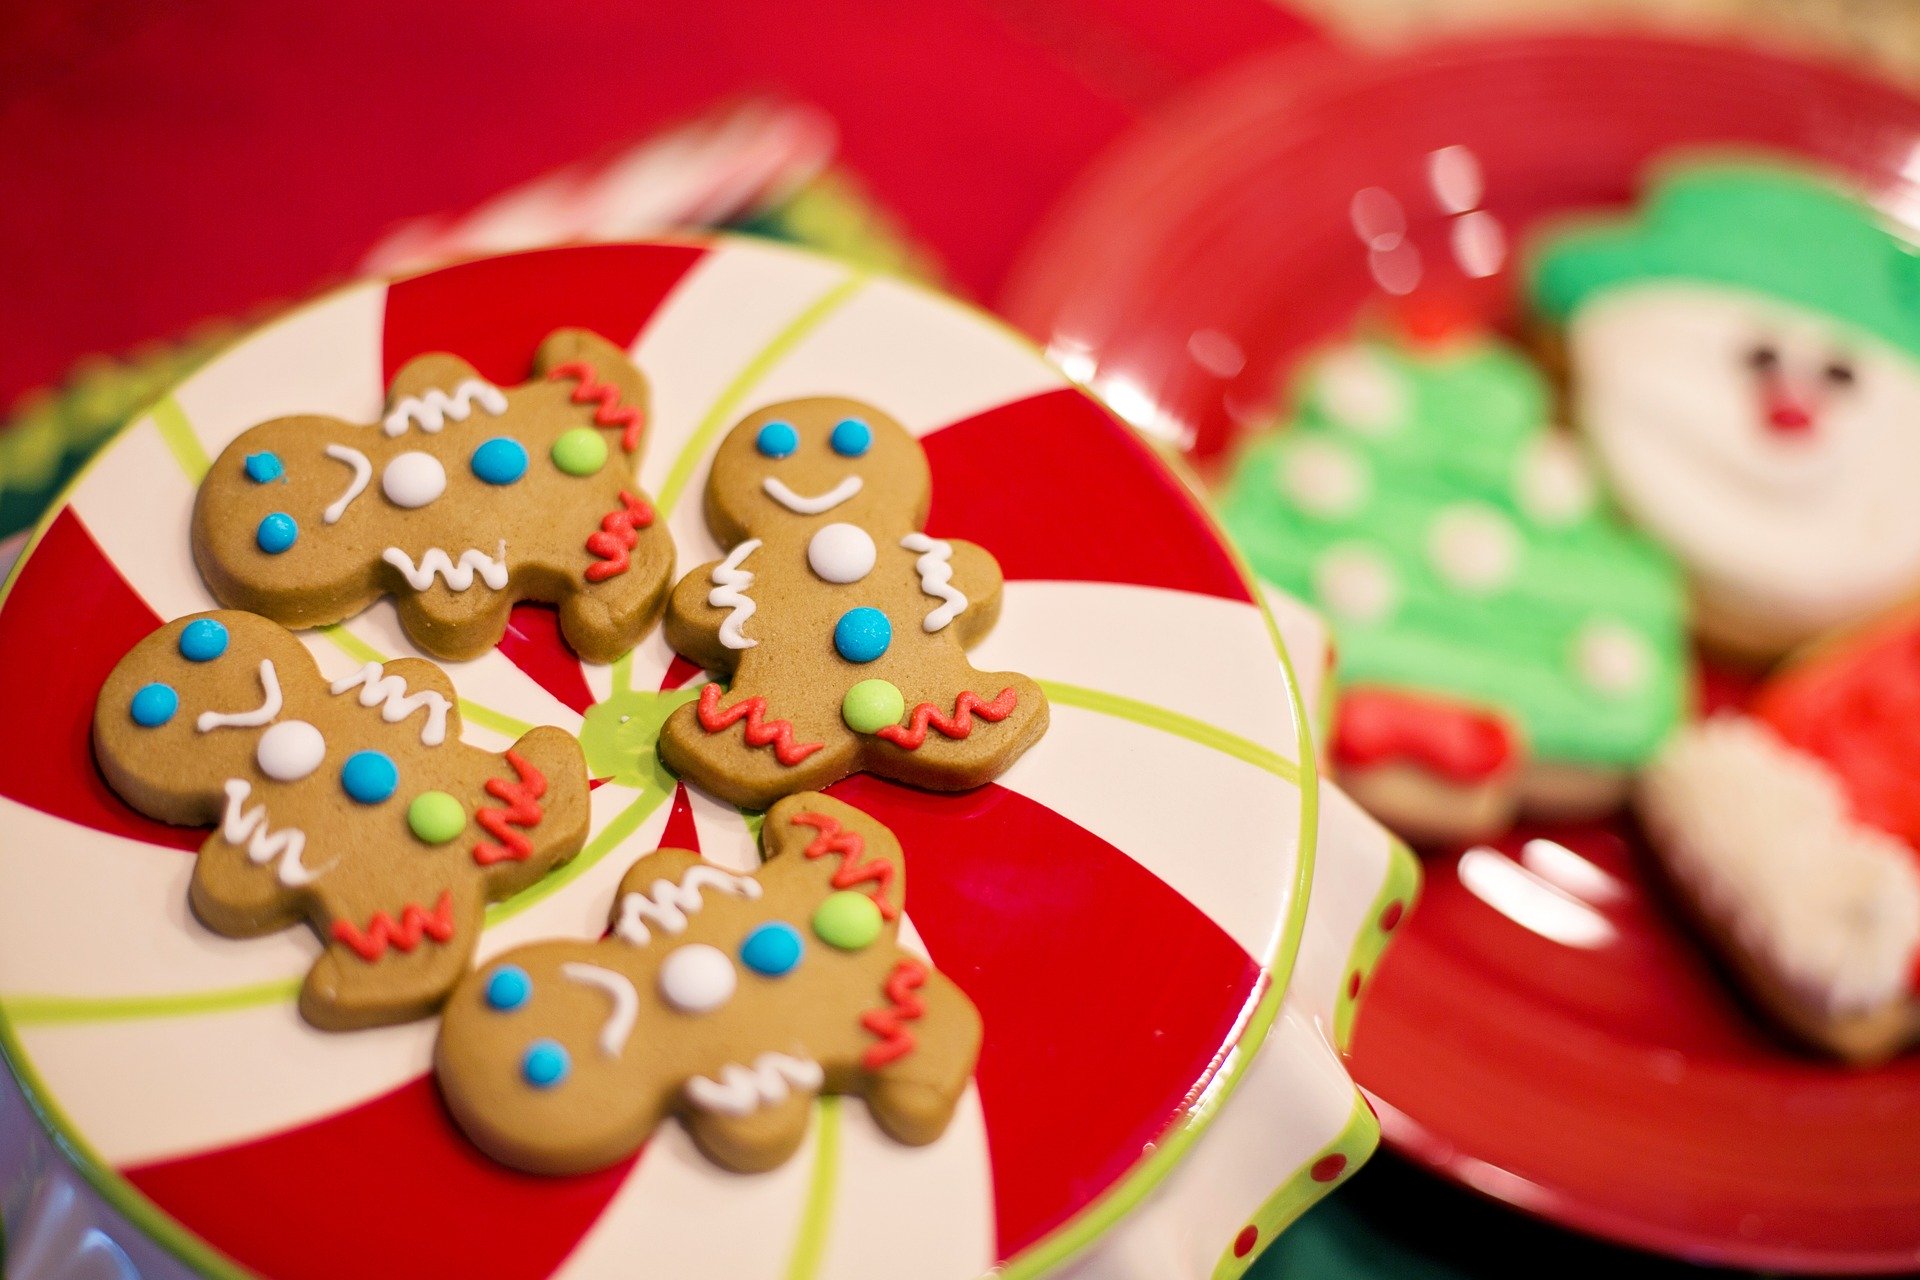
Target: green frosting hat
{"points": [[1750, 225]]}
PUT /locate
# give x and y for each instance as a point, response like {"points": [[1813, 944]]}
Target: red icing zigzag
{"points": [[895, 1040], [611, 412], [852, 870], [521, 811], [911, 735], [760, 731], [616, 537], [382, 932]]}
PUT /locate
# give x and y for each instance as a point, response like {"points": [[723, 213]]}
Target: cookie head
{"points": [[798, 465]]}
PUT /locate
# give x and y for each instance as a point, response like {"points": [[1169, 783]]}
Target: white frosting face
{"points": [[1775, 452]]}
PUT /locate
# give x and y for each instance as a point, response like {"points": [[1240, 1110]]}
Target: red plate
{"points": [[1545, 1032]]}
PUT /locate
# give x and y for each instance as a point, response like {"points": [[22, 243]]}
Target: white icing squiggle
{"points": [[389, 693], [778, 491], [668, 904], [362, 470], [730, 583], [430, 410], [492, 569], [261, 715], [936, 578], [743, 1090], [626, 1002], [248, 828]]}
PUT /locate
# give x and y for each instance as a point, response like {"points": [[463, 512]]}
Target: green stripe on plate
{"points": [[41, 1011], [810, 1246], [1185, 726], [172, 424]]}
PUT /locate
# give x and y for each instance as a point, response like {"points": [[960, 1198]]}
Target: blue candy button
{"points": [[276, 533], [772, 949], [851, 438], [508, 988], [369, 776], [500, 460], [862, 634], [262, 467], [546, 1064], [777, 440], [154, 705], [202, 640]]}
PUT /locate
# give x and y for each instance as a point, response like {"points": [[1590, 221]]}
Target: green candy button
{"points": [[436, 817], [872, 705], [848, 920], [580, 452]]}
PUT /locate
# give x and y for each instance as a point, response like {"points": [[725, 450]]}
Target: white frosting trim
{"points": [[730, 583], [668, 904], [430, 410], [261, 715], [936, 578], [742, 1090], [618, 1027], [362, 472], [815, 506], [389, 693], [492, 568], [248, 828]]}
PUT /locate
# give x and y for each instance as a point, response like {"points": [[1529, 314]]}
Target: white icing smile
{"points": [[618, 1027], [820, 505]]}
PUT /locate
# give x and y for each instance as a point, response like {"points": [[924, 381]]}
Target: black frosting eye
{"points": [[1763, 358], [1838, 373]]}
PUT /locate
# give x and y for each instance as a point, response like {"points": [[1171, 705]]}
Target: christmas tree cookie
{"points": [[1504, 641]]}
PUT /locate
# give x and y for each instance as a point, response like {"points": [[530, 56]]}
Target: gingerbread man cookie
{"points": [[728, 998], [842, 624], [351, 804], [461, 501]]}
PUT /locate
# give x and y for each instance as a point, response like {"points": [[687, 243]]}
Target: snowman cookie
{"points": [[462, 500], [841, 624], [731, 999], [350, 804], [1745, 355]]}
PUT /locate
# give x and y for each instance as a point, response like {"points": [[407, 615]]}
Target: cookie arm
{"points": [[976, 575], [913, 1095], [693, 623]]}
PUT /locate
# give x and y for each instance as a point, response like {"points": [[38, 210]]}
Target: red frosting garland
{"points": [[760, 731], [1383, 726], [611, 412], [852, 870], [911, 735]]}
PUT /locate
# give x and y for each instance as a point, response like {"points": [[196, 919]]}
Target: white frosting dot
{"points": [[1361, 391], [1355, 584], [841, 552], [1474, 548], [413, 479], [1554, 486], [697, 978], [1612, 658], [290, 750], [1324, 480]]}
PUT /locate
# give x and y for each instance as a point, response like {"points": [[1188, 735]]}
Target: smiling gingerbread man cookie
{"points": [[843, 625], [350, 804], [731, 999], [461, 501]]}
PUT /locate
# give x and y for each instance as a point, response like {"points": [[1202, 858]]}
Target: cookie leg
{"points": [[913, 1096], [990, 721], [454, 625], [763, 1138], [605, 619], [722, 759], [390, 964]]}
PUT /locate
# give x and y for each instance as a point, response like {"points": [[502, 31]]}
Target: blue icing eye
{"points": [[276, 533], [369, 776], [772, 949], [777, 440], [851, 438], [508, 988], [500, 460], [263, 467], [862, 634], [202, 640], [546, 1064], [154, 705]]}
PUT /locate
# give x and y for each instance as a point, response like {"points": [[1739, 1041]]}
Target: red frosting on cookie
{"points": [[1461, 743]]}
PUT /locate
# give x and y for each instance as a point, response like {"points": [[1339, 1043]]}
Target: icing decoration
{"points": [[618, 1027], [413, 479], [935, 567], [436, 562], [741, 1091], [581, 451], [610, 412], [847, 920], [872, 705], [383, 932], [777, 440], [436, 817], [546, 1064], [202, 640], [369, 776], [1474, 547], [1325, 479], [263, 468], [851, 438], [362, 472], [841, 553], [1382, 726], [772, 949], [389, 693], [1612, 658], [903, 1006], [819, 505], [616, 537], [521, 798], [957, 726], [697, 978], [1355, 585], [501, 460], [261, 715], [668, 905], [508, 987], [730, 583], [862, 634], [431, 409], [854, 868], [277, 532], [1359, 390], [760, 732], [290, 750], [1554, 486], [153, 705], [248, 829]]}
